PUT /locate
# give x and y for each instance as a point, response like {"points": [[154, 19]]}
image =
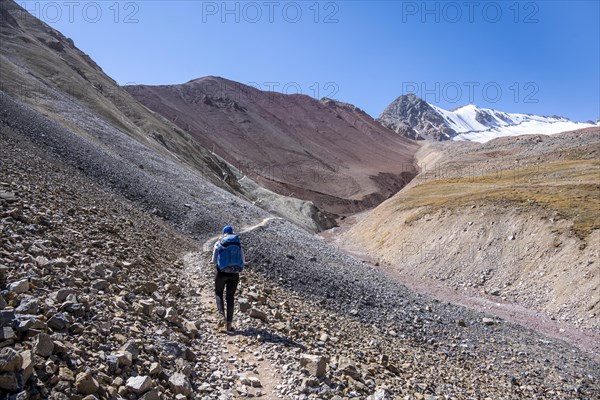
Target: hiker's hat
{"points": [[228, 229]]}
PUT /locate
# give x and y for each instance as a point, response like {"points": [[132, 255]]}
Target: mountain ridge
{"points": [[328, 152], [415, 118]]}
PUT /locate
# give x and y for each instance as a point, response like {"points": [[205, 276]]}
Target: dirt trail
{"points": [[239, 353], [208, 244]]}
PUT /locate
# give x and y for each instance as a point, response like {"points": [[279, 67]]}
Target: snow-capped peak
{"points": [[419, 119]]}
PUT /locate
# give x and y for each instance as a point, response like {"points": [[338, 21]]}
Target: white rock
{"points": [[139, 384]]}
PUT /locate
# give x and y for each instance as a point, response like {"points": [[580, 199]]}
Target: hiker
{"points": [[228, 257]]}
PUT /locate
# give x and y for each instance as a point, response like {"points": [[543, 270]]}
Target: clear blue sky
{"points": [[540, 57]]}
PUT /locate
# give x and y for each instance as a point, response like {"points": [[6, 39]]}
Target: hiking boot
{"points": [[221, 321], [230, 327]]}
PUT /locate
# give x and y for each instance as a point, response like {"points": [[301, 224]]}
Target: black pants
{"points": [[223, 280]]}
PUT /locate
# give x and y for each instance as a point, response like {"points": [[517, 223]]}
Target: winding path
{"points": [[208, 244]]}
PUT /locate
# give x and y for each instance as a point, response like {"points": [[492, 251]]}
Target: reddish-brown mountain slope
{"points": [[326, 151]]}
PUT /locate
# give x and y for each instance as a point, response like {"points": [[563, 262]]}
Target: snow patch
{"points": [[477, 124]]}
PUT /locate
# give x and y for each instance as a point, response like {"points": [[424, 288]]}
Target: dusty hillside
{"points": [[517, 218], [45, 70], [328, 152], [101, 299]]}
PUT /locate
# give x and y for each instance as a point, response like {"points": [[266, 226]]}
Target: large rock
{"points": [[123, 358], [9, 381], [7, 317], [58, 322], [62, 294], [28, 322], [147, 288], [10, 360], [66, 374], [244, 304], [347, 367], [43, 345], [172, 317], [180, 384], [100, 284], [152, 394], [380, 394], [28, 305], [315, 365], [145, 307], [18, 287], [7, 333], [256, 313], [85, 383], [131, 347], [26, 364], [139, 384]]}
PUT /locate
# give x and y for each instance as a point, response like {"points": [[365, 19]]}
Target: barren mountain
{"points": [[328, 152], [46, 71], [106, 292], [517, 218], [415, 118]]}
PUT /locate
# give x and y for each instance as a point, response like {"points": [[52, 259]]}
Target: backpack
{"points": [[229, 254]]}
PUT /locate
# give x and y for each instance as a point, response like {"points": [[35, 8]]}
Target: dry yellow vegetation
{"points": [[569, 189]]}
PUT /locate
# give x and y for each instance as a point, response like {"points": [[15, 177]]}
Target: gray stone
{"points": [[488, 321], [152, 394], [9, 197], [131, 347], [62, 294], [43, 345], [380, 394], [255, 313], [58, 322], [124, 358], [315, 365], [9, 381], [7, 317], [10, 360], [2, 303], [155, 368], [85, 383], [26, 364], [7, 333], [27, 322], [100, 284], [244, 305], [347, 367], [18, 287], [147, 288], [180, 384], [139, 384], [28, 305]]}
